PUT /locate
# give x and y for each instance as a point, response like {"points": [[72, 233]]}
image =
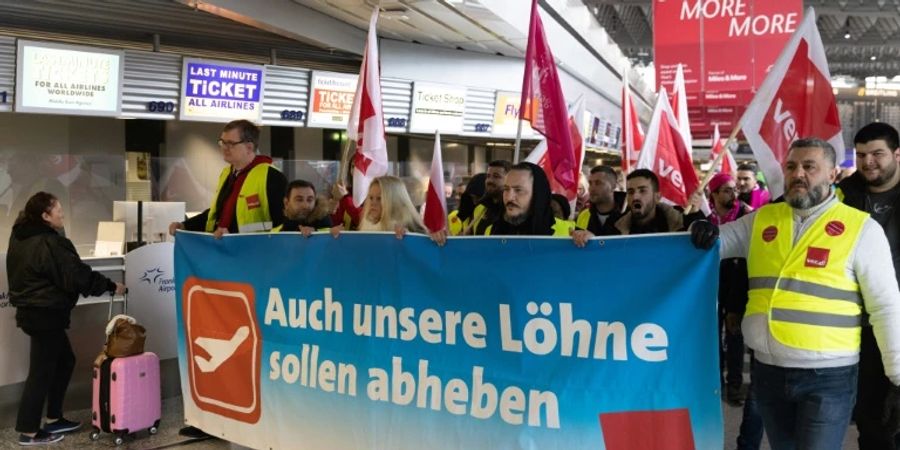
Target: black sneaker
{"points": [[40, 438], [61, 426], [734, 396]]}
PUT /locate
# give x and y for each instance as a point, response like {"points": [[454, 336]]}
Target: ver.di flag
{"points": [[543, 104], [680, 109], [366, 123], [632, 133], [539, 154], [795, 101], [728, 164], [666, 154]]}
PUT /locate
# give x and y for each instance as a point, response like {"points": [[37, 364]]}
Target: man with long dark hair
{"points": [[526, 201]]}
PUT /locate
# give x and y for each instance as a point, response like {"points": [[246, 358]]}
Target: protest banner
{"points": [[368, 341]]}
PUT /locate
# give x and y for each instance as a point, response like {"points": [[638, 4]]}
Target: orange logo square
{"points": [[224, 348]]}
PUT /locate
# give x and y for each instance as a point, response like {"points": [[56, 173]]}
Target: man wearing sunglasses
{"points": [[249, 192]]}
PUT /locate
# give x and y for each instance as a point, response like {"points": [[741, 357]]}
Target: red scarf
{"points": [[226, 214]]}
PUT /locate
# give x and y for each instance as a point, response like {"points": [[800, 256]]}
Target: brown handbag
{"points": [[125, 339]]}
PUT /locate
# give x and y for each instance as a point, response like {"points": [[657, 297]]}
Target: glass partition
{"points": [[88, 185]]}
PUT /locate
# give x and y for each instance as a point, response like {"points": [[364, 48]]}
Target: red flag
{"points": [[543, 104], [728, 165], [680, 109], [666, 154], [435, 201], [366, 124], [795, 101], [539, 154], [632, 134]]}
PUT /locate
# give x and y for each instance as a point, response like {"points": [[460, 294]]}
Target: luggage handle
{"points": [[112, 299]]}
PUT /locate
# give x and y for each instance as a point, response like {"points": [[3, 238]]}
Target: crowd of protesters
{"points": [[517, 200]]}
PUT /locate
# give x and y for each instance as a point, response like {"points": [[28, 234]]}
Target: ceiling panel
{"points": [[179, 27]]}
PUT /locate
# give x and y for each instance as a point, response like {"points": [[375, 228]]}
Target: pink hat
{"points": [[718, 180]]}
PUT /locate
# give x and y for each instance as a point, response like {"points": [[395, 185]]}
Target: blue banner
{"points": [[368, 341]]}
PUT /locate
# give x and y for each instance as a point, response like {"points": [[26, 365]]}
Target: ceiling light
{"points": [[847, 35], [873, 57]]}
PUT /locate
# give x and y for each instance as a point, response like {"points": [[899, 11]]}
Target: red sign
{"points": [[725, 46], [817, 257], [224, 348], [648, 430]]}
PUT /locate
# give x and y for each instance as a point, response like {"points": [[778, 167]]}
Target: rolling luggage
{"points": [[126, 394]]}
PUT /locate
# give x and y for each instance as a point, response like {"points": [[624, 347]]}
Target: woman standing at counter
{"points": [[46, 276]]}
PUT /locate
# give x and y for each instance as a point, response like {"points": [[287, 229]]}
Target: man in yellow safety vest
{"points": [[249, 192], [813, 264]]}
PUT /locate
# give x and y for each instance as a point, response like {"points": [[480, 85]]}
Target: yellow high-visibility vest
{"points": [[252, 208], [583, 219], [803, 289], [455, 225], [477, 215]]}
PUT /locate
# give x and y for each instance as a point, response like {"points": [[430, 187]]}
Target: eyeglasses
{"points": [[223, 144]]}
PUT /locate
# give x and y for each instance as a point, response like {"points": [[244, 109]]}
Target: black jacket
{"points": [[609, 226], [855, 193], [46, 275]]}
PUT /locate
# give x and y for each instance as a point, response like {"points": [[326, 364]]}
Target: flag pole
{"points": [[345, 160], [518, 139], [706, 179]]}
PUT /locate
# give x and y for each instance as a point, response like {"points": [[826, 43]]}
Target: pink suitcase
{"points": [[126, 396]]}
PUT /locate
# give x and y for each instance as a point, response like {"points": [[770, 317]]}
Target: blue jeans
{"points": [[751, 434], [805, 409]]}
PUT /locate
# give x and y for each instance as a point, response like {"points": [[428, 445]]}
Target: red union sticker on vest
{"points": [[770, 233], [817, 257], [253, 201], [835, 228]]}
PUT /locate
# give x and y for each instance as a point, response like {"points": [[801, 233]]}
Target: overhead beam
{"points": [[288, 19]]}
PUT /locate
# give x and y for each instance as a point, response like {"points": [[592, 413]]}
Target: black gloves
{"points": [[704, 235], [891, 415]]}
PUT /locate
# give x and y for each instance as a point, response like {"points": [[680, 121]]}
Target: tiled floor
{"points": [[167, 437], [172, 420]]}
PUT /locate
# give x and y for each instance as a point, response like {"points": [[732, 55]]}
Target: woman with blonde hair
{"points": [[389, 208]]}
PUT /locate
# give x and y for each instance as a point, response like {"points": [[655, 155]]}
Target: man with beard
{"points": [[301, 211], [813, 264], [490, 207], [875, 189], [605, 208], [526, 200], [748, 186], [646, 214]]}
